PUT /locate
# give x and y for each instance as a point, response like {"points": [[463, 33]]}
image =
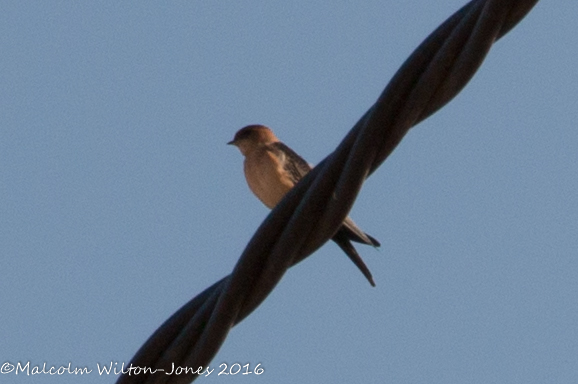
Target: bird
{"points": [[272, 168]]}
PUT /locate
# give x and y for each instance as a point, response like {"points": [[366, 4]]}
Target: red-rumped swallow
{"points": [[272, 169]]}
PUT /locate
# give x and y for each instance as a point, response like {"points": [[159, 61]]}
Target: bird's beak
{"points": [[232, 142]]}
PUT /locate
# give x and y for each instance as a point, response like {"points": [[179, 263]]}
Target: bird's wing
{"points": [[355, 233], [294, 164], [297, 167]]}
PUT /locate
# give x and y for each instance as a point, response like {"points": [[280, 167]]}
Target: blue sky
{"points": [[119, 200]]}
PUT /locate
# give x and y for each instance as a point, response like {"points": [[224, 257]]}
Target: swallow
{"points": [[272, 169]]}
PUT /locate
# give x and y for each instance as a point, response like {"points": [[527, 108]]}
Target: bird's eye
{"points": [[244, 135]]}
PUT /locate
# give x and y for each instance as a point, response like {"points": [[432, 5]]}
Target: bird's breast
{"points": [[267, 178]]}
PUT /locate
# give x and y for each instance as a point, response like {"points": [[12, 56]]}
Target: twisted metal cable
{"points": [[314, 209]]}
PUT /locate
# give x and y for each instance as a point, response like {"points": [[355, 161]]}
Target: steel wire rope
{"points": [[314, 209]]}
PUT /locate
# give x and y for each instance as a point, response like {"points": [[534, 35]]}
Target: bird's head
{"points": [[252, 137]]}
